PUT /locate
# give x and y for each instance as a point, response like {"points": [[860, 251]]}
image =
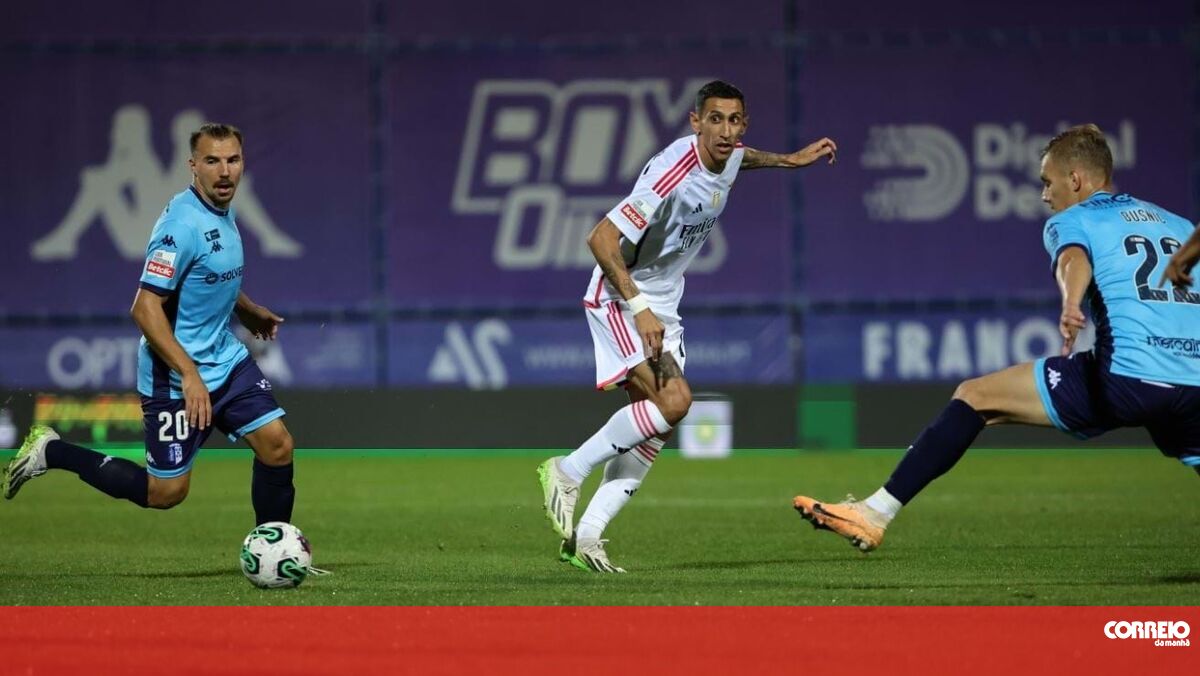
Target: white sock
{"points": [[622, 477], [627, 428], [881, 501]]}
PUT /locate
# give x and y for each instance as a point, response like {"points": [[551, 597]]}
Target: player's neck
{"points": [[708, 161]]}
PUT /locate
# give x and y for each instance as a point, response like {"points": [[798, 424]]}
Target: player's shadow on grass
{"points": [[732, 565], [332, 567], [1184, 578]]}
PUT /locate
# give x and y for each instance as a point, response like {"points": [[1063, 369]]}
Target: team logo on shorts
{"points": [[1054, 377], [175, 453], [161, 264]]}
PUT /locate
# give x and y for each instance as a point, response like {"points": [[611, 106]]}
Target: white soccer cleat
{"points": [[29, 462], [590, 555], [559, 495]]}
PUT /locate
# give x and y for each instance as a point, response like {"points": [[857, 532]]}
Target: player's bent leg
{"points": [[1004, 397], [663, 384], [272, 489], [165, 493], [1009, 396]]}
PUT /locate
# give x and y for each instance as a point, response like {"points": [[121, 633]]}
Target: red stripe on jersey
{"points": [[624, 328], [670, 172], [677, 177], [617, 323]]}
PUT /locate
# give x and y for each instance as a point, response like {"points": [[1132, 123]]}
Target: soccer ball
{"points": [[276, 555]]}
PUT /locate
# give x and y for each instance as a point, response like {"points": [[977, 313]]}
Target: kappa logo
{"points": [[216, 247], [546, 161], [472, 358], [1054, 377], [264, 384], [1006, 178], [127, 192], [167, 240]]}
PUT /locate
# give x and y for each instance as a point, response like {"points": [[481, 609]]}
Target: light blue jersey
{"points": [[1142, 330], [194, 258]]}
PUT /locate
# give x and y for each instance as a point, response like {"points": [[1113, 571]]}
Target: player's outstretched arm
{"points": [[1074, 274], [1179, 268], [257, 319], [605, 242], [148, 314], [758, 159]]}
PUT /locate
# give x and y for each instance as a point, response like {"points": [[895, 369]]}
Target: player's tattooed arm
{"points": [[605, 243], [759, 159]]}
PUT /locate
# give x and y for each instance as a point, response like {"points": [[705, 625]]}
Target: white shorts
{"points": [[618, 345]]}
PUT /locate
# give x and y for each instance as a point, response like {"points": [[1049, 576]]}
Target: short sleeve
{"points": [[662, 174], [1061, 232], [170, 252]]}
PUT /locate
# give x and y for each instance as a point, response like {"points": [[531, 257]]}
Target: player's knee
{"points": [[165, 494], [674, 403], [278, 451], [970, 393]]}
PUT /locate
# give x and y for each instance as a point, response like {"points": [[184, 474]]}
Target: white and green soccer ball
{"points": [[276, 555]]}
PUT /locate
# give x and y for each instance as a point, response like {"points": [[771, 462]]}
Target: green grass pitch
{"points": [[1094, 527]]}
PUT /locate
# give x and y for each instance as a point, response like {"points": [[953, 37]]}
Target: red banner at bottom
{"points": [[585, 640]]}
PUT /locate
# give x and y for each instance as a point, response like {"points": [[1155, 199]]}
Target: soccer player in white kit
{"points": [[642, 248]]}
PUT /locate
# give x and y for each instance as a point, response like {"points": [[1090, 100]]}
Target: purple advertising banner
{"points": [[937, 192], [493, 197], [898, 17], [151, 21], [95, 358], [943, 346], [562, 23], [499, 353], [103, 144]]}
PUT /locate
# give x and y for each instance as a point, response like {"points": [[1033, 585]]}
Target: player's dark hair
{"points": [[718, 89], [217, 131], [1082, 145]]}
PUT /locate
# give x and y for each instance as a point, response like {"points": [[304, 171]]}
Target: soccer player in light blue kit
{"points": [[193, 373], [1144, 371]]}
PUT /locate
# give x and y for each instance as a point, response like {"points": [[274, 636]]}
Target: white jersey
{"points": [[664, 222]]}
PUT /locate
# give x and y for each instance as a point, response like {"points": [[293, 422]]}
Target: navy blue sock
{"points": [[272, 492], [117, 477], [936, 450]]}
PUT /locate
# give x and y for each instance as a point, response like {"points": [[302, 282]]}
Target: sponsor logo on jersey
{"points": [[634, 217], [161, 264]]}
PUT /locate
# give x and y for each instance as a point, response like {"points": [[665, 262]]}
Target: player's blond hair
{"points": [[1082, 146]]}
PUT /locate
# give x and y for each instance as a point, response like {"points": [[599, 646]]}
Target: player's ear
{"points": [[1076, 182], [695, 120]]}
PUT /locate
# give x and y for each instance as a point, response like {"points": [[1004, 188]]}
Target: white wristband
{"points": [[638, 303]]}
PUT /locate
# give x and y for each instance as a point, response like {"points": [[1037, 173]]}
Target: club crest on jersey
{"points": [[716, 198], [632, 214], [161, 264]]}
